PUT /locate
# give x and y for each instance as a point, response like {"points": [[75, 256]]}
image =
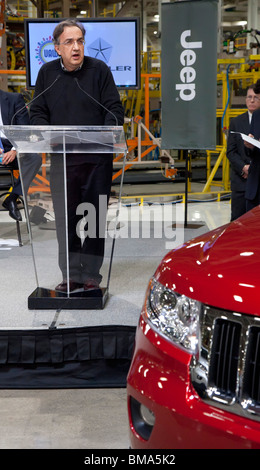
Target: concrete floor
{"points": [[84, 418], [63, 419]]}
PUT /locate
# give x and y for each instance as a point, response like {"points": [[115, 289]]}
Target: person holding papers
{"points": [[252, 193], [239, 155]]}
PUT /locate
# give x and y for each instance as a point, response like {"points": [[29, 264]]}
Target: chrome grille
{"points": [[224, 357], [252, 367], [227, 370]]}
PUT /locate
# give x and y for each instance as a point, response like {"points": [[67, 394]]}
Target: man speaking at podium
{"points": [[77, 90]]}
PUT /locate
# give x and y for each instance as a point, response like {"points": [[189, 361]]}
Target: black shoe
{"points": [[91, 284], [63, 286], [11, 205]]}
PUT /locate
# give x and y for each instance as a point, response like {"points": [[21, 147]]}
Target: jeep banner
{"points": [[189, 74]]}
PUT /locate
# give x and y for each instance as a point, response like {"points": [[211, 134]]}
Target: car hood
{"points": [[220, 268]]}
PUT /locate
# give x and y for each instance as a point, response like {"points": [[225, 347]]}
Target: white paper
{"points": [[248, 139], [8, 242]]}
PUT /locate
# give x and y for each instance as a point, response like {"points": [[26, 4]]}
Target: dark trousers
{"points": [[85, 184], [251, 203], [30, 164], [238, 204]]}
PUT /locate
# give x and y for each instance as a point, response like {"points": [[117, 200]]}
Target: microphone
{"points": [[35, 98], [97, 102]]}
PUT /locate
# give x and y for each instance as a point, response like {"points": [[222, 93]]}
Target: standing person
{"points": [[84, 95], [253, 180], [14, 111], [239, 156]]}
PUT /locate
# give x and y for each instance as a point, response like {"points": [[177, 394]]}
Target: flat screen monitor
{"points": [[113, 40]]}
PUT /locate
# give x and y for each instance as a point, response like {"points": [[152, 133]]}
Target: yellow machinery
{"points": [[234, 74], [143, 113], [228, 80]]}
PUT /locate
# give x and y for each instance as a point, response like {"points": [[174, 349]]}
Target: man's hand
{"points": [[9, 157], [245, 171], [247, 144]]}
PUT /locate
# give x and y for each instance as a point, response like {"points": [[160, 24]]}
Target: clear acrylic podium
{"points": [[48, 211]]}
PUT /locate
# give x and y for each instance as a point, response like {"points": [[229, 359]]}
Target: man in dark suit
{"points": [[253, 181], [239, 156], [14, 111]]}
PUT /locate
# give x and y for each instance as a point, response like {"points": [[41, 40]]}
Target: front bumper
{"points": [[159, 380]]}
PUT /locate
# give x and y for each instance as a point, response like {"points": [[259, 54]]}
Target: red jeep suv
{"points": [[194, 380]]}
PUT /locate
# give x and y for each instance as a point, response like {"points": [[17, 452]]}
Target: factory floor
{"points": [[86, 418]]}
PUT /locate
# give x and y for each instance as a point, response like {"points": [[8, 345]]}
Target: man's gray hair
{"points": [[66, 24]]}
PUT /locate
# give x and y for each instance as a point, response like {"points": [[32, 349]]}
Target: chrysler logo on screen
{"points": [[45, 51], [100, 49]]}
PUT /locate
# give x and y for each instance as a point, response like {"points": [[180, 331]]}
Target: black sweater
{"points": [[65, 104]]}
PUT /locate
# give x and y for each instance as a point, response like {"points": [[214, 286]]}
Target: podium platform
{"points": [[55, 147], [44, 299]]}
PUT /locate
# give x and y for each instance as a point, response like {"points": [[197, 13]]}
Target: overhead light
{"points": [[240, 23], [156, 17], [227, 24], [83, 12]]}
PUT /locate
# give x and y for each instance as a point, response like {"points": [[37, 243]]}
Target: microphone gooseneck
{"points": [[97, 102], [35, 98]]}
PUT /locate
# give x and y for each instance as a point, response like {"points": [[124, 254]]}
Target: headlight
{"points": [[175, 316]]}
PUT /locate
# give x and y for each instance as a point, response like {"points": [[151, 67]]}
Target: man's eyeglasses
{"points": [[71, 42], [253, 98]]}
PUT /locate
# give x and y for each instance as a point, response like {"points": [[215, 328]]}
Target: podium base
{"points": [[45, 299]]}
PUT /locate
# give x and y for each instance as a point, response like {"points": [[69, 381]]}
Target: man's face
{"points": [[71, 47], [252, 100]]}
